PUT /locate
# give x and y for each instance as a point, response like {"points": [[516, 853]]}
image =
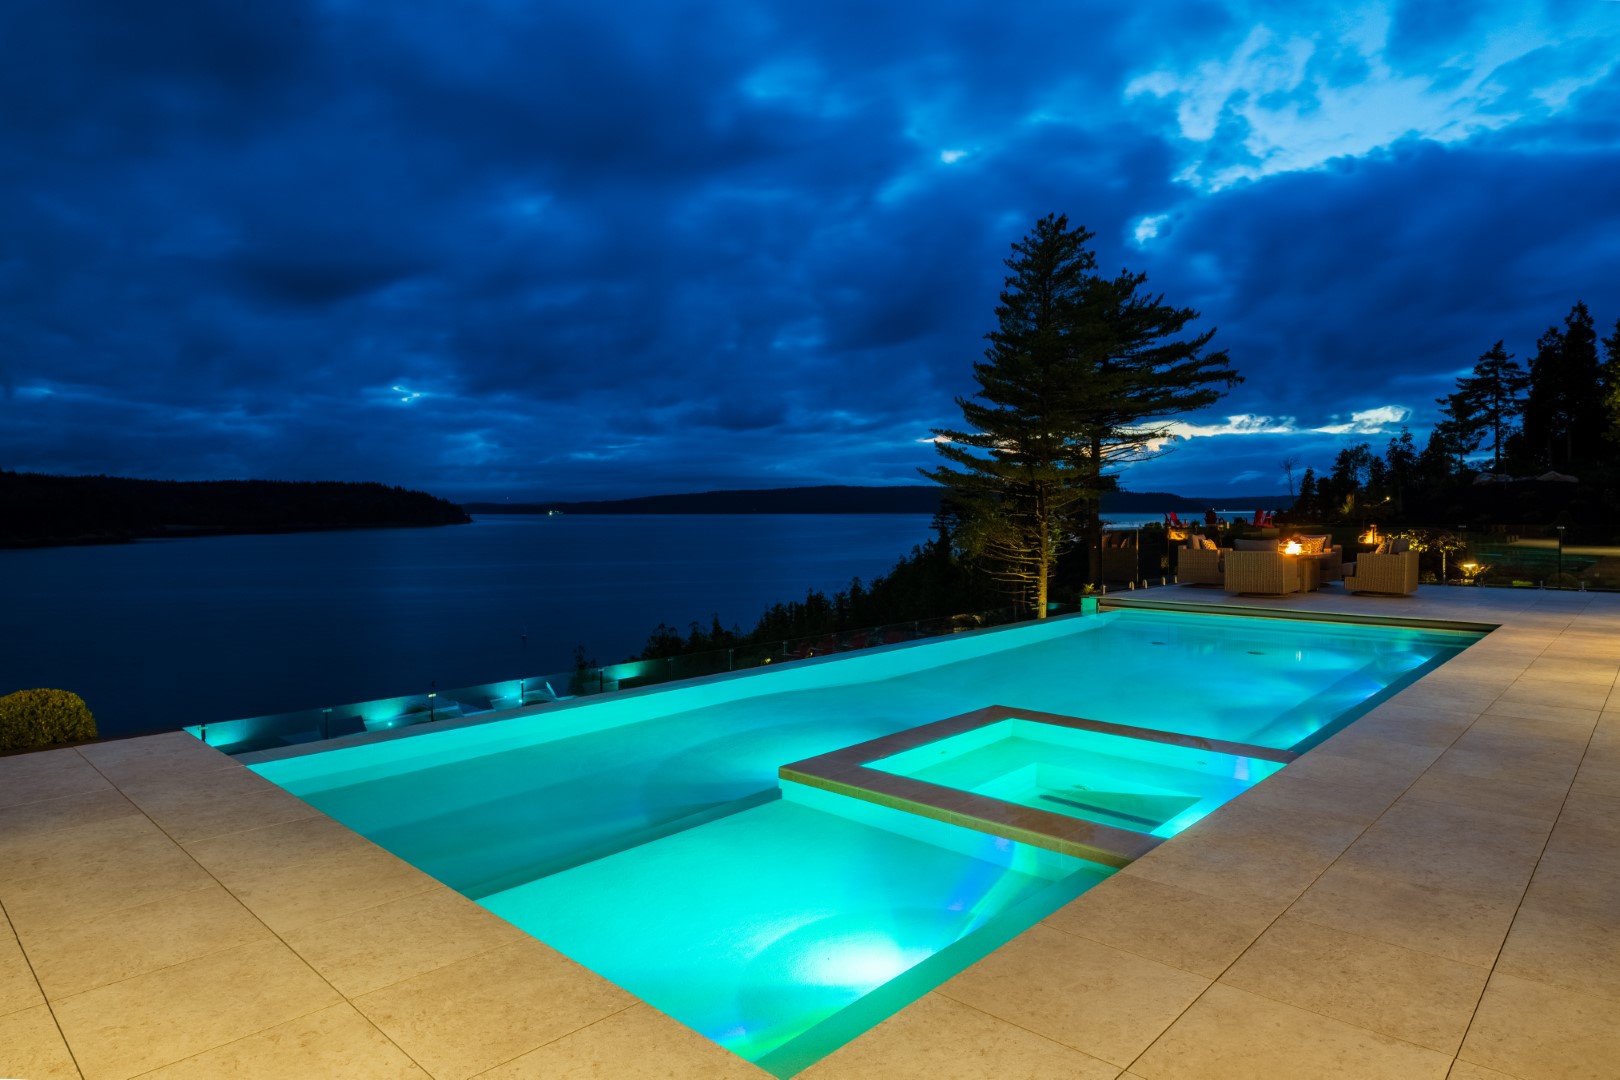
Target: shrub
{"points": [[30, 718]]}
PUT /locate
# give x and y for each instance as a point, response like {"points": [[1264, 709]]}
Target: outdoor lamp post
{"points": [[1560, 556]]}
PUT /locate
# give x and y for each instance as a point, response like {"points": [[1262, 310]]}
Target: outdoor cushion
{"points": [[1383, 547], [1312, 545], [1399, 544], [1254, 545]]}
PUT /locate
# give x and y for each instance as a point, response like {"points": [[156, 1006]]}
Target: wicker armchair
{"points": [[1395, 573], [1269, 573], [1200, 566]]}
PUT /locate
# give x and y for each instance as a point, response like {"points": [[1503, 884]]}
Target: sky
{"points": [[548, 250]]}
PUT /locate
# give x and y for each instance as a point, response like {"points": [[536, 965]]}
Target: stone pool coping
{"points": [[1427, 893]]}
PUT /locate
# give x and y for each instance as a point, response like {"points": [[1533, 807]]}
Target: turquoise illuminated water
{"points": [[646, 836]]}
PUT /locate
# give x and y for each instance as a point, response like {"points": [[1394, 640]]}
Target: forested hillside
{"points": [[41, 510]]}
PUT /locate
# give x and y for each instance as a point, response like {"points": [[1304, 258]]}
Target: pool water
{"points": [[646, 835], [771, 930], [1146, 786]]}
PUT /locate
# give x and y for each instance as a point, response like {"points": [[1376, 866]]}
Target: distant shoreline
{"points": [[842, 499]]}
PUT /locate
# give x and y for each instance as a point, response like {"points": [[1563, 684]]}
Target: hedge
{"points": [[30, 718]]}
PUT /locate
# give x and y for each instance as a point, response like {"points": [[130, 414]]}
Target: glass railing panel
{"points": [[434, 705]]}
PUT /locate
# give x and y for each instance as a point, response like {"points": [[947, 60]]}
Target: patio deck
{"points": [[1430, 893]]}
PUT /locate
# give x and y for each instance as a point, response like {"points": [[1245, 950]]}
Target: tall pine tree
{"points": [[1564, 414], [1487, 403], [1138, 374], [1017, 480], [1611, 381]]}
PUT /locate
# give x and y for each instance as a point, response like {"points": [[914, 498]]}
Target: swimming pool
{"points": [[662, 811]]}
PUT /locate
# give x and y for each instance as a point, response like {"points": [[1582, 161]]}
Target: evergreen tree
{"points": [[1564, 414], [1352, 469], [1018, 481], [1459, 429], [1401, 460], [1137, 374], [1486, 403], [1305, 505], [1082, 373], [1611, 381], [1438, 462]]}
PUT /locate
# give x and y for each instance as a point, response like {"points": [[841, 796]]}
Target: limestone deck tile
{"points": [[942, 1039], [333, 1042], [1480, 680], [1581, 884], [1552, 725], [1410, 752], [1553, 742], [1399, 992], [1344, 785], [19, 989], [108, 845], [1250, 854], [1232, 1034], [79, 956], [1519, 711], [1537, 802], [46, 774], [1176, 926], [1458, 696], [378, 946], [1586, 672], [638, 1041], [1463, 1070], [287, 897], [274, 847], [1500, 759], [1102, 1001], [1599, 771], [1469, 851], [170, 749], [1578, 647], [1561, 950], [1555, 692], [21, 824], [1465, 928], [76, 874], [216, 803], [1423, 726], [131, 1027], [1589, 822], [1573, 1036], [467, 1017], [31, 1047]]}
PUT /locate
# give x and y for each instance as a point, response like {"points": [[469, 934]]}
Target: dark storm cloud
{"points": [[577, 249]]}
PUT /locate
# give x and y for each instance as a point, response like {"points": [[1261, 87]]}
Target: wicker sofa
{"points": [[1267, 573], [1201, 566], [1394, 572]]}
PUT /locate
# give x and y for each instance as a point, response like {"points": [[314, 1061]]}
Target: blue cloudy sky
{"points": [[509, 248]]}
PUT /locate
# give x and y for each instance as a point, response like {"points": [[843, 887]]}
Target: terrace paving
{"points": [[1429, 893]]}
